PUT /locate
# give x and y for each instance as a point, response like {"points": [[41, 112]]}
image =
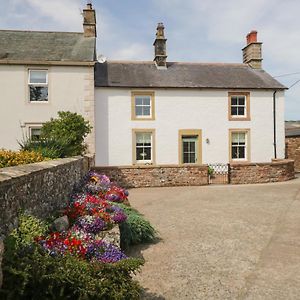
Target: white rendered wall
{"points": [[185, 109], [67, 91]]}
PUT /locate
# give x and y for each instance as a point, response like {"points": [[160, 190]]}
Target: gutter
{"points": [[274, 124]]}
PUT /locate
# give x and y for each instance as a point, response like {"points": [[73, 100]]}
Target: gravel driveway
{"points": [[222, 242]]}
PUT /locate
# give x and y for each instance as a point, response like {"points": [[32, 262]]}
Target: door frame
{"points": [[190, 132]]}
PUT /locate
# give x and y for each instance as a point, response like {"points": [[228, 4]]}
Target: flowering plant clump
{"points": [[101, 186], [78, 243]]}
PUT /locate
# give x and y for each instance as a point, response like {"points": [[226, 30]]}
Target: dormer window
{"points": [[38, 85], [142, 106], [239, 106]]}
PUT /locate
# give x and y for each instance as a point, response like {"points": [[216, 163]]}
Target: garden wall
{"points": [[40, 189], [293, 150], [157, 176], [276, 171]]}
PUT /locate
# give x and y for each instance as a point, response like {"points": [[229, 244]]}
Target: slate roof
{"points": [[182, 75], [39, 46], [290, 132]]}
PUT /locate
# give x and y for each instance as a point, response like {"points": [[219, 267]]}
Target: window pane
{"points": [[147, 152], [138, 100], [192, 158], [186, 158], [234, 111], [241, 100], [138, 110], [38, 76], [139, 154], [38, 93], [192, 147], [233, 100], [242, 137], [146, 111], [234, 152], [185, 147], [35, 133], [242, 152], [241, 111], [235, 137], [146, 101]]}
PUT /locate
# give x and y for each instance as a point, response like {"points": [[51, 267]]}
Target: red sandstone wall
{"points": [[279, 170], [293, 150], [157, 176]]}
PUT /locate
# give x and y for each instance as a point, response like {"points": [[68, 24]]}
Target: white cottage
{"points": [[171, 113]]}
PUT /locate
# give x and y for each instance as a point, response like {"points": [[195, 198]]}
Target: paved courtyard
{"points": [[222, 242]]}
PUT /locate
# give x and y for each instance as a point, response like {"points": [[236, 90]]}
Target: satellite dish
{"points": [[101, 59]]}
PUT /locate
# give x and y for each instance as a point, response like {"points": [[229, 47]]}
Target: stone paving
{"points": [[222, 242]]}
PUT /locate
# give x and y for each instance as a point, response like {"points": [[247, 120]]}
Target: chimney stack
{"points": [[89, 21], [160, 47], [252, 54]]}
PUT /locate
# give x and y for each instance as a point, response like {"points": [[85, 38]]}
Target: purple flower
{"points": [[91, 224]]}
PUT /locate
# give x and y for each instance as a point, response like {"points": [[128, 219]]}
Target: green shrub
{"points": [[136, 230], [14, 158], [30, 273], [61, 137]]}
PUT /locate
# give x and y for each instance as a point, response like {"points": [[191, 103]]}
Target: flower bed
{"points": [[72, 260]]}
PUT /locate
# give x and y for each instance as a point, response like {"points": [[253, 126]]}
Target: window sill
{"points": [[239, 118]]}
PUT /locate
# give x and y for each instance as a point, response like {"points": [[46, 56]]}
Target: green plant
{"points": [[136, 229], [210, 171], [31, 273], [60, 137], [69, 131]]}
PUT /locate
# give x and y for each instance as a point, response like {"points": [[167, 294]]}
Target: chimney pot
{"points": [[252, 53], [89, 5], [252, 37]]}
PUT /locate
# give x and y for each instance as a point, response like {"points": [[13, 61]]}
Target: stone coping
{"points": [[150, 167], [272, 163], [9, 173]]}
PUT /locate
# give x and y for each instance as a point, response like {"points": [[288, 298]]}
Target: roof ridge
{"points": [[179, 63], [39, 31]]}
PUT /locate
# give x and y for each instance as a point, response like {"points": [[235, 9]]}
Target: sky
{"points": [[197, 31]]}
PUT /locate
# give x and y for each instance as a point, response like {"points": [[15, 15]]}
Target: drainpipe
{"points": [[274, 120]]}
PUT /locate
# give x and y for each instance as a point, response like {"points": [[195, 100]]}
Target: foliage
{"points": [[136, 229], [61, 137], [46, 148], [13, 158], [31, 273], [210, 171], [69, 131]]}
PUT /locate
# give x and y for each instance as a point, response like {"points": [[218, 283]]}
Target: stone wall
{"points": [[40, 189], [157, 176], [276, 171], [293, 150]]}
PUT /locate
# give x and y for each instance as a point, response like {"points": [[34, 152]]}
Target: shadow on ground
{"points": [[147, 295]]}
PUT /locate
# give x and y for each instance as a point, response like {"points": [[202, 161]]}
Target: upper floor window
{"points": [[38, 85], [142, 106], [239, 106]]}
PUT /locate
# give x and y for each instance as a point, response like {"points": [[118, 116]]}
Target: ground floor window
{"points": [[143, 142], [190, 145], [239, 145], [35, 133]]}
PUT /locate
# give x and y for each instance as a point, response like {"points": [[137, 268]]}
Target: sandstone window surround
{"points": [[38, 85], [239, 145], [143, 146], [142, 106], [239, 106]]}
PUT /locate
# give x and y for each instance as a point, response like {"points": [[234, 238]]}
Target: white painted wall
{"points": [[185, 109], [67, 91]]}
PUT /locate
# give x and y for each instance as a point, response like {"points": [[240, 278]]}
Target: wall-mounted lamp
{"points": [[207, 141]]}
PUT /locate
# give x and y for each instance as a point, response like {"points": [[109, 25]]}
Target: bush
{"points": [[13, 158], [135, 230], [30, 273], [61, 137]]}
